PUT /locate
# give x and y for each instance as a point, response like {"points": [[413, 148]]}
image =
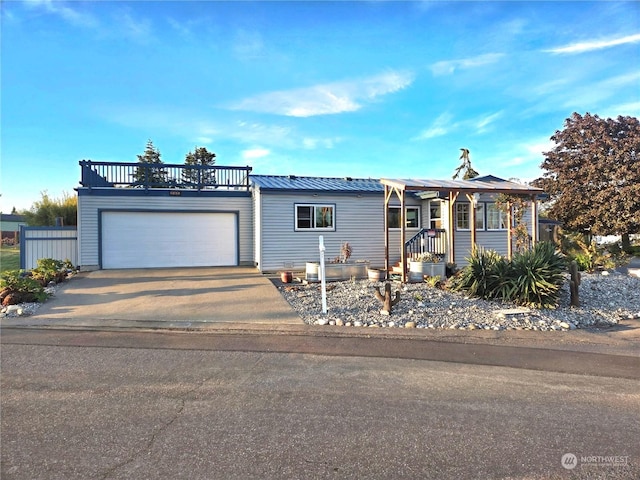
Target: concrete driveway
{"points": [[163, 298]]}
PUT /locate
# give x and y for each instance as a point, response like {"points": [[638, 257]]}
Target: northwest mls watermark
{"points": [[571, 461]]}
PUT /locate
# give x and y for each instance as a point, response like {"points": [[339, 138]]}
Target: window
{"points": [[315, 217], [412, 217], [462, 216], [435, 214], [495, 218]]}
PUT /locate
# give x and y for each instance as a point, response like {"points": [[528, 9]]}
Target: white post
{"points": [[323, 282]]}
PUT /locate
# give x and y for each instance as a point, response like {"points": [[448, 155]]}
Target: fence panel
{"points": [[59, 243]]}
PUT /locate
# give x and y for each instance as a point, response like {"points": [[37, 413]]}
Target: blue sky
{"points": [[361, 89]]}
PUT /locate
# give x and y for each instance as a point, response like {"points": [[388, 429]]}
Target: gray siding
{"points": [[488, 239], [359, 220], [89, 205]]}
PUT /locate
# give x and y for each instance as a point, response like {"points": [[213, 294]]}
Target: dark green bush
{"points": [[16, 287], [531, 278], [478, 278], [536, 276]]}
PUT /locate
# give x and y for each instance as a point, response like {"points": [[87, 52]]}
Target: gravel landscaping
{"points": [[606, 298]]}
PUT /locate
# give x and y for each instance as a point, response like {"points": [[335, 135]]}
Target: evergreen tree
{"points": [[469, 171], [150, 175], [198, 176]]}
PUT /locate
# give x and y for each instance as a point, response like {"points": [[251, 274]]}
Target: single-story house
{"points": [[10, 226], [182, 215]]}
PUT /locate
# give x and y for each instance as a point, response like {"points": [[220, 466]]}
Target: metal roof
{"points": [[319, 184], [489, 184], [11, 217]]}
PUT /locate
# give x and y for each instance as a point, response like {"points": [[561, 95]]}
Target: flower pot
{"points": [[376, 274], [286, 277], [418, 270]]}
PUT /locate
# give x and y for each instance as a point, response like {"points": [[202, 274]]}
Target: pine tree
{"points": [[150, 175], [199, 176], [469, 171]]}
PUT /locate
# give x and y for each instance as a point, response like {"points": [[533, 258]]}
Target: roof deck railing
{"points": [[163, 175]]}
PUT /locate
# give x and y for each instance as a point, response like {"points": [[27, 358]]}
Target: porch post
{"points": [[386, 228], [452, 236], [509, 226], [472, 218], [534, 220], [403, 247]]}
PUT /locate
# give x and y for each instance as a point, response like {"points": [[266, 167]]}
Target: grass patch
{"points": [[9, 258]]}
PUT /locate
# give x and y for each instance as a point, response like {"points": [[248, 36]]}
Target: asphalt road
{"points": [[114, 411]]}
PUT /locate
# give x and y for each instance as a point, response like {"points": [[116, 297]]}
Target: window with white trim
{"points": [[315, 217], [435, 214], [412, 217], [495, 218], [462, 216]]}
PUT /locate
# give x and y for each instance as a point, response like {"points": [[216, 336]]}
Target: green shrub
{"points": [[536, 276], [16, 287], [50, 270], [587, 254], [478, 278], [532, 278]]}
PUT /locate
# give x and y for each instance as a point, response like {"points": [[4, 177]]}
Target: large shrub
{"points": [[532, 278], [536, 276], [16, 287], [51, 270]]}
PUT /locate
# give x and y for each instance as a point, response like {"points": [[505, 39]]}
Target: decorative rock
{"points": [[322, 321], [410, 325], [339, 322], [16, 309], [392, 324], [357, 324], [606, 301]]}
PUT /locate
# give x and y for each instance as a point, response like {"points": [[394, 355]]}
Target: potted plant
{"points": [[426, 264]]}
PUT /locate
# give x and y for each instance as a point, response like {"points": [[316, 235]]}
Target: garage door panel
{"points": [[168, 239]]}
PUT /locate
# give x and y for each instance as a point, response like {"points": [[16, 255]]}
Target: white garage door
{"points": [[168, 239]]}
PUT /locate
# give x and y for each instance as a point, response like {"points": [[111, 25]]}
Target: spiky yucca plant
{"points": [[532, 278], [536, 276]]}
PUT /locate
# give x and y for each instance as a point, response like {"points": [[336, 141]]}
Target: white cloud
{"points": [[309, 143], [326, 99], [65, 12], [631, 109], [254, 153], [440, 126], [526, 154], [449, 67], [483, 124], [138, 29], [589, 96], [588, 46]]}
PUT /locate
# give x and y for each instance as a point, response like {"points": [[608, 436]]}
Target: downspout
{"points": [[509, 226], [403, 236]]}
